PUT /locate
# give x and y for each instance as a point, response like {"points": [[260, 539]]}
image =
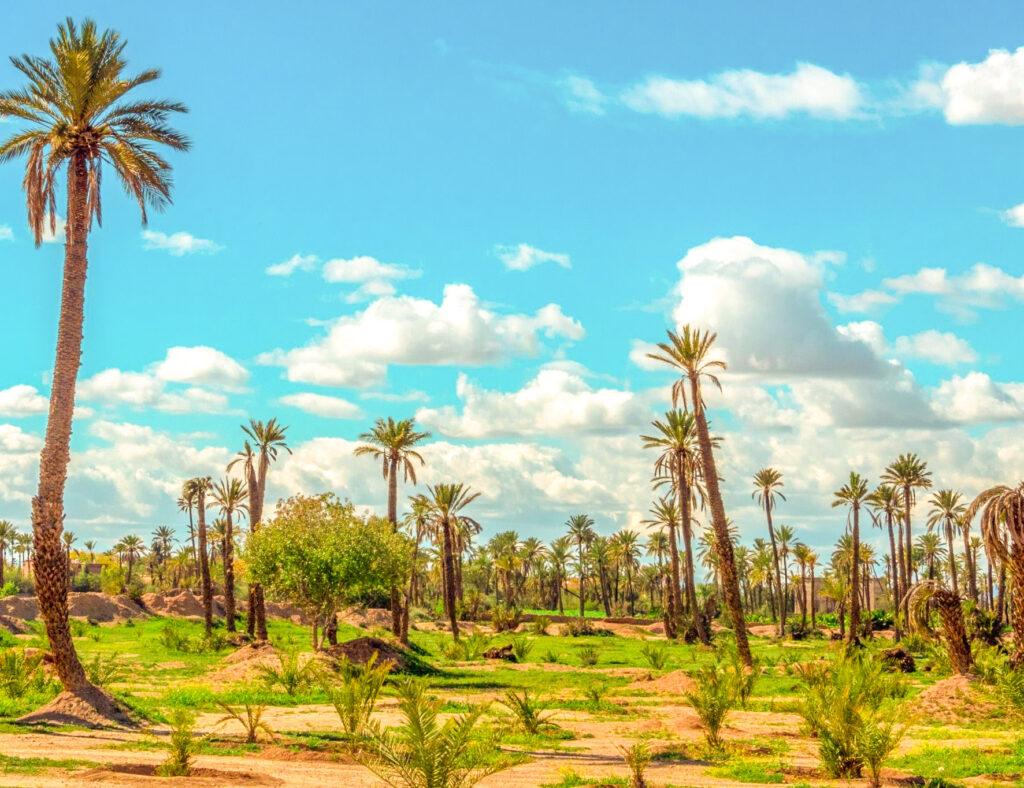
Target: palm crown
{"points": [[391, 440]]}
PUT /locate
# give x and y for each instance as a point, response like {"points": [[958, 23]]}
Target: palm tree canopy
{"points": [[391, 440], [767, 482], [76, 107], [688, 352]]}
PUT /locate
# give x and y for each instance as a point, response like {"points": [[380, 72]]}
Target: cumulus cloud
{"points": [[365, 269], [323, 405], [523, 257], [297, 262], [555, 402], [1014, 217], [357, 349], [22, 400], [808, 90], [938, 347], [986, 92], [582, 95], [201, 365], [141, 390], [179, 244], [865, 302], [976, 398]]}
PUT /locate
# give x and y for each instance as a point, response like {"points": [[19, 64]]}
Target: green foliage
{"points": [[579, 628], [526, 712], [292, 676], [104, 671], [744, 679], [540, 625], [877, 739], [589, 656], [551, 656], [317, 553], [840, 707], [474, 645], [174, 638], [423, 752], [505, 619], [656, 657], [182, 746], [638, 758], [10, 588], [521, 647], [1010, 686], [19, 673], [712, 698], [250, 717], [594, 694], [354, 695]]}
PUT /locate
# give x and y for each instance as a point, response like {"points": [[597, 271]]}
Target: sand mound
{"points": [[87, 604], [182, 604], [16, 626], [91, 707], [279, 610], [674, 683], [245, 663], [20, 606], [367, 618], [953, 700], [360, 650]]}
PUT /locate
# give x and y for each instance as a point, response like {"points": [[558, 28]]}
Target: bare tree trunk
{"points": [[908, 550], [583, 610], [853, 635], [1016, 602], [229, 574], [778, 571], [972, 569], [726, 560], [51, 579], [897, 634], [690, 579], [204, 561], [396, 597], [449, 577]]}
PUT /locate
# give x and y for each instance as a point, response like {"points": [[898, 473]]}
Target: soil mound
{"points": [[91, 707], [182, 604], [360, 650], [16, 626], [279, 610], [19, 606], [898, 658], [245, 663], [367, 618], [85, 604], [954, 700], [676, 682]]}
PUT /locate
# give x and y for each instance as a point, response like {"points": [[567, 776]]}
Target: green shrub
{"points": [[355, 695], [522, 647], [579, 628], [589, 656], [540, 625], [505, 619], [104, 671], [18, 673], [182, 746], [293, 677], [475, 645], [638, 758], [877, 739], [712, 698], [655, 656], [250, 717], [526, 711], [551, 656]]}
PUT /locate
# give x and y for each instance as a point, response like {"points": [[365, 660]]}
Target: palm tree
{"points": [[8, 533], [199, 487], [268, 438], [163, 537], [836, 586], [581, 534], [132, 548], [812, 561], [680, 463], [187, 503], [853, 494], [1001, 509], [558, 554], [68, 538], [418, 521], [688, 352], [907, 473], [657, 548], [802, 553], [600, 558], [951, 612], [947, 510], [767, 482], [929, 546], [77, 116], [229, 494], [785, 536], [392, 443], [664, 516], [446, 503], [885, 503], [627, 553], [91, 547]]}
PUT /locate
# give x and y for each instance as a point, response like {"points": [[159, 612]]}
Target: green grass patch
{"points": [[11, 764], [746, 770], [954, 762]]}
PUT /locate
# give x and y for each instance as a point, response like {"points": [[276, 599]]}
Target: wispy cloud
{"points": [[298, 262], [179, 244], [523, 256], [6, 233], [582, 95]]}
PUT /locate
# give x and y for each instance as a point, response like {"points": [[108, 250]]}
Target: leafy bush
{"points": [[589, 656], [655, 656], [915, 643], [877, 739], [355, 695], [594, 694], [527, 713], [10, 588], [1010, 686], [713, 697], [182, 746], [638, 758], [551, 656], [744, 679], [505, 619], [522, 647], [474, 645], [104, 671], [423, 753], [579, 628], [293, 677], [19, 673], [540, 625], [985, 626], [880, 619]]}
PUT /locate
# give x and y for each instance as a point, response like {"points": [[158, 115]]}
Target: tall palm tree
{"points": [[267, 440], [947, 510], [446, 504], [229, 494], [68, 539], [558, 554], [657, 548], [802, 553], [77, 115], [8, 533], [392, 442], [199, 487], [812, 561], [853, 494], [1001, 511], [907, 473], [91, 547], [581, 534], [929, 546], [599, 557], [885, 503], [767, 484], [689, 353], [627, 552], [664, 516], [187, 503], [418, 521], [132, 547]]}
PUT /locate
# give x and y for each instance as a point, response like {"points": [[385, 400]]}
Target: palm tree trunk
{"points": [[814, 623], [229, 575], [778, 571], [853, 635], [726, 560], [1016, 602], [51, 579], [396, 597], [204, 562], [896, 588], [583, 610], [952, 558], [909, 550], [449, 577], [690, 580], [803, 596], [972, 569]]}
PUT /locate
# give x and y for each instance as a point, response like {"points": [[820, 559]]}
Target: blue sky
{"points": [[406, 156]]}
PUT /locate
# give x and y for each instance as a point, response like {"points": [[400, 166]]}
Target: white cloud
{"points": [[6, 233], [357, 349], [524, 256], [201, 365], [22, 400], [323, 405], [865, 302], [809, 89], [556, 402], [413, 395], [141, 390], [976, 398], [582, 95], [298, 262], [638, 355], [57, 236], [1014, 217], [365, 269], [986, 92], [179, 244], [939, 347]]}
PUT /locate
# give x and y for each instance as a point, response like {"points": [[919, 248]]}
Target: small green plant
{"points": [[355, 695], [505, 619], [181, 747], [579, 628], [293, 677], [877, 739], [522, 647], [474, 646], [712, 699], [594, 694], [527, 713], [656, 657], [744, 679], [104, 671], [540, 625], [250, 717], [453, 650], [638, 758], [423, 752], [1010, 686], [589, 656], [551, 656], [19, 673]]}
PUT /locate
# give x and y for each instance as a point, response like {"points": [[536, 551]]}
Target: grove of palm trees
{"points": [[762, 616]]}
